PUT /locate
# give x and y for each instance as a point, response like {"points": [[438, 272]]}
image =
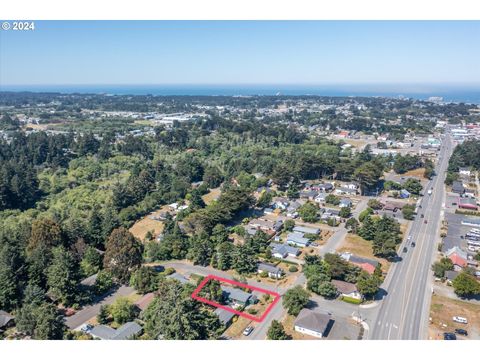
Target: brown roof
{"points": [[344, 287], [144, 301]]}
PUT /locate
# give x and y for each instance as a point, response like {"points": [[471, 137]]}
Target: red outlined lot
{"points": [[195, 296]]}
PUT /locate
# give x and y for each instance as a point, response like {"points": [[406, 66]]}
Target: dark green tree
{"points": [[123, 254], [295, 300]]}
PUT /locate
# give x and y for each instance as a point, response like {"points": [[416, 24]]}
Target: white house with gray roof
{"points": [[297, 239]]}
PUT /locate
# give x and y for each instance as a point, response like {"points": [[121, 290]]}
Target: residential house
{"points": [[306, 230], [351, 186], [465, 171], [273, 271], [280, 203], [345, 191], [297, 239], [345, 203], [224, 316], [281, 251], [266, 225], [292, 209], [313, 323], [450, 275], [347, 289], [89, 281], [392, 205], [457, 187], [144, 301], [325, 187], [368, 265], [320, 198], [237, 297], [308, 194], [125, 332]]}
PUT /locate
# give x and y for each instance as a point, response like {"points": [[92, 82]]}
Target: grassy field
{"points": [[212, 195], [416, 172], [141, 227], [442, 310], [361, 247]]}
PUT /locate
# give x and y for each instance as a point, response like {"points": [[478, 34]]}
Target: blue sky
{"points": [[246, 52]]}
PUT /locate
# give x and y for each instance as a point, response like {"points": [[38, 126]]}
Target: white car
{"points": [[248, 330], [86, 328], [460, 320]]}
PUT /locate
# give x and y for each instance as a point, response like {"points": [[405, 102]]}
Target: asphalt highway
{"points": [[403, 313]]}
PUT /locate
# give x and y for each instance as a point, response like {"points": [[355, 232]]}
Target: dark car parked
{"points": [[449, 336], [461, 332]]}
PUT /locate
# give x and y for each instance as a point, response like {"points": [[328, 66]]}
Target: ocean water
{"points": [[467, 94]]}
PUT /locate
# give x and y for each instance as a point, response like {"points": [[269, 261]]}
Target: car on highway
{"points": [[460, 319], [248, 330], [449, 336], [409, 237], [461, 332], [422, 216], [405, 249], [425, 221], [412, 244]]}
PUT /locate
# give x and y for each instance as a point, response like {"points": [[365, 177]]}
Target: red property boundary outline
{"points": [[240, 313]]}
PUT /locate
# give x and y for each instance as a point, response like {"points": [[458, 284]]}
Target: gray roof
{"points": [[348, 190], [359, 260], [457, 187], [236, 294], [124, 332], [297, 238], [89, 281], [224, 316], [5, 318], [450, 274], [308, 193], [306, 230], [103, 332], [127, 330], [284, 249], [268, 268], [311, 320]]}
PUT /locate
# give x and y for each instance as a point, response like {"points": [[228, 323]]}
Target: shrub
{"points": [[293, 269], [351, 300]]}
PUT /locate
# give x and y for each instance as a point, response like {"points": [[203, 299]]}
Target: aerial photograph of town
{"points": [[235, 180]]}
